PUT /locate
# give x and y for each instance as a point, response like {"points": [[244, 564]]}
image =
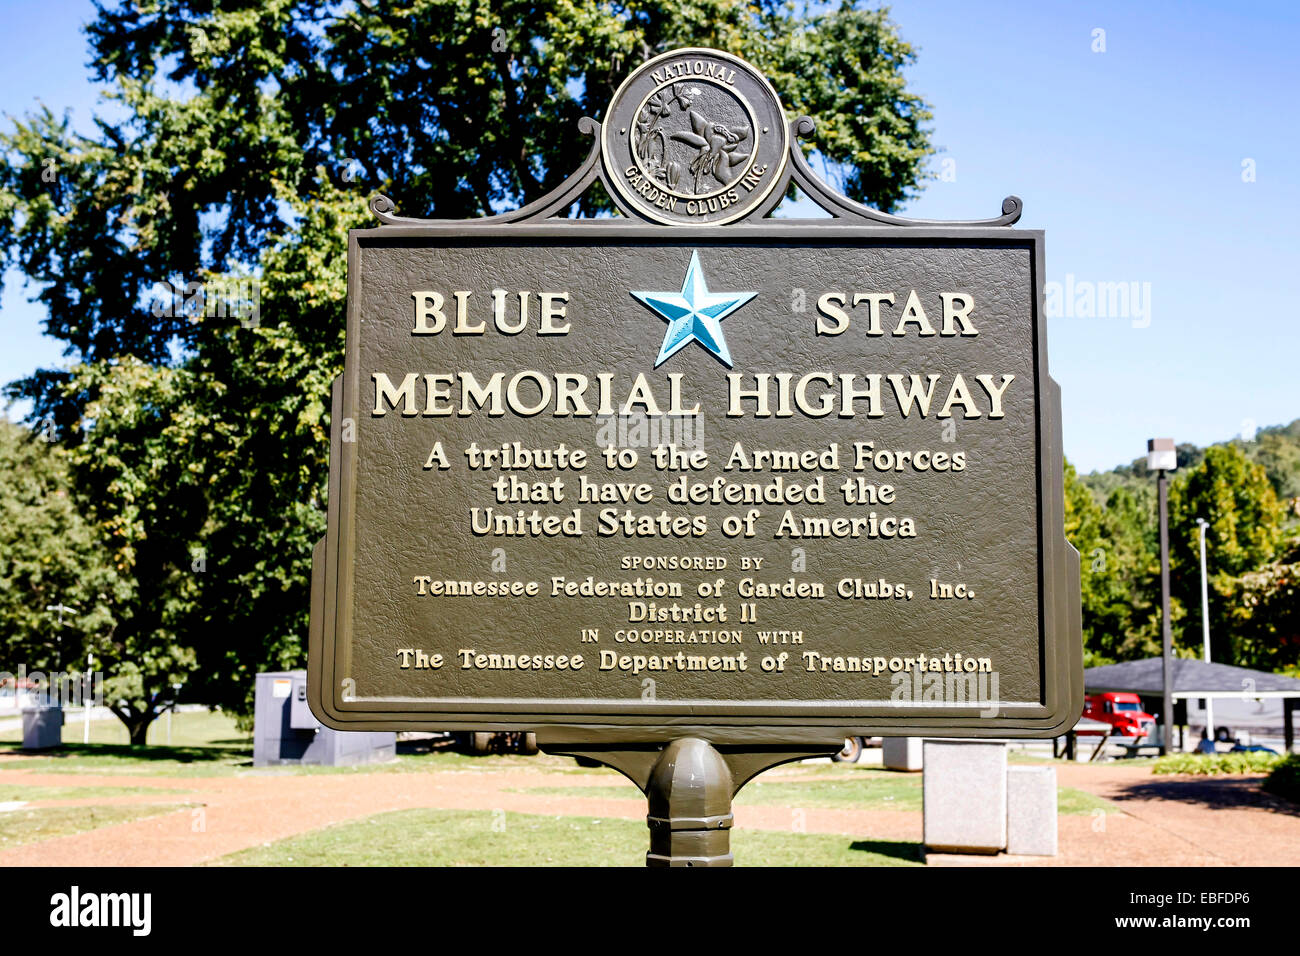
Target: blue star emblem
{"points": [[694, 315]]}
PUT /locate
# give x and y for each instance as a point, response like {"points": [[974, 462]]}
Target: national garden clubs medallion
{"points": [[695, 137]]}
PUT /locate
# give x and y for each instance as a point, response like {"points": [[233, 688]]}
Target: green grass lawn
{"points": [[1081, 802], [204, 743], [497, 838], [890, 793], [112, 759], [1021, 757], [209, 744], [868, 789], [10, 792], [189, 729], [873, 790], [224, 761], [33, 825]]}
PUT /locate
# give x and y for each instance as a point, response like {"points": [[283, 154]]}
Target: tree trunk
{"points": [[136, 723]]}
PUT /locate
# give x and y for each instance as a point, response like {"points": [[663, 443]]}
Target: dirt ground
{"points": [[1161, 821]]}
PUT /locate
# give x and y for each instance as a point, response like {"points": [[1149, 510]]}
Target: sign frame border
{"points": [[1060, 639]]}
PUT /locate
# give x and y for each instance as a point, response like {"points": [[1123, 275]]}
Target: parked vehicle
{"points": [[851, 752], [1122, 711]]}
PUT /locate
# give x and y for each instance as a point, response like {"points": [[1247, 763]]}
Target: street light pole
{"points": [[1202, 524], [1162, 458], [1167, 632], [176, 692], [87, 701], [85, 704]]}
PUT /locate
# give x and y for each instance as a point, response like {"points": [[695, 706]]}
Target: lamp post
{"points": [[176, 693], [85, 704], [1201, 525], [1162, 458], [87, 701]]}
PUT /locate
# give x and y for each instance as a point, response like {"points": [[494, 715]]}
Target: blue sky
{"points": [[1131, 159]]}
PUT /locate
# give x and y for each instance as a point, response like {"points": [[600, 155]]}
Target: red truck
{"points": [[1122, 711]]}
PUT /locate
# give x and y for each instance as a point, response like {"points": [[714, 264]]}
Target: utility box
{"points": [[42, 727], [285, 731], [300, 715]]}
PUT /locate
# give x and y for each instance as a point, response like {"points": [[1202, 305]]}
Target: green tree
{"points": [[211, 475], [457, 108], [1265, 608], [1278, 450], [50, 554], [1083, 529], [254, 131], [1251, 620], [264, 390], [1236, 498], [1115, 547], [1131, 526], [146, 500]]}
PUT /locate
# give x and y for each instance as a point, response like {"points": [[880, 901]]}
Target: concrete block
{"points": [[42, 728], [965, 795], [1031, 811], [900, 753]]}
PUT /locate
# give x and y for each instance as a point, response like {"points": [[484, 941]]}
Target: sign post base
{"points": [[689, 784]]}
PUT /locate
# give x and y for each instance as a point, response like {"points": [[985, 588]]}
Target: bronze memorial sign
{"points": [[694, 487]]}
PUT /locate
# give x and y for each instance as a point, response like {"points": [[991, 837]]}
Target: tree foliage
{"points": [[50, 555], [252, 132], [1119, 567], [1265, 612], [1236, 498], [140, 489], [456, 107], [1251, 555]]}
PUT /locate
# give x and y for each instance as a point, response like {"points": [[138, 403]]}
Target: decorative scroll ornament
{"points": [[696, 137]]}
